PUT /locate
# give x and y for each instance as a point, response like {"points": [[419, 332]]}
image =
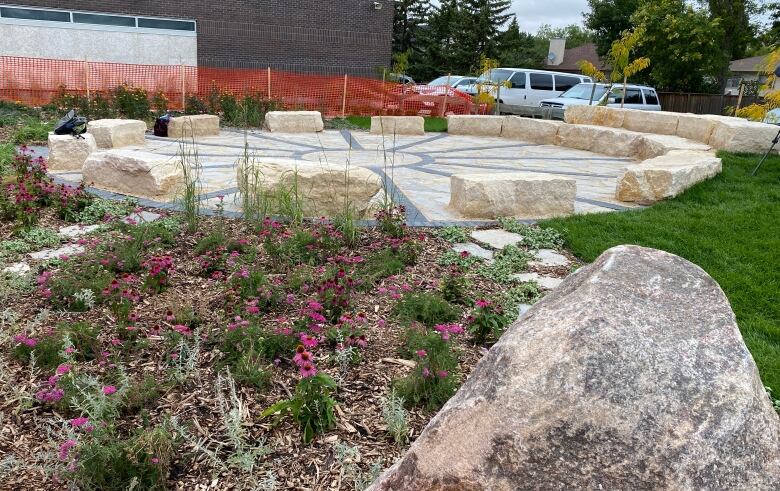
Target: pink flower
{"points": [[109, 389], [81, 421], [425, 372], [302, 357], [155, 460], [182, 329], [70, 350], [443, 374], [381, 323], [421, 353], [308, 370], [482, 303], [65, 449], [362, 341], [169, 316], [62, 369], [309, 341], [315, 305]]}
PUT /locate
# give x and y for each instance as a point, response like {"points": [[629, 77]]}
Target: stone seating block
{"points": [[193, 126], [666, 176], [615, 142], [531, 130], [133, 172], [294, 121], [655, 122], [475, 125], [595, 115], [524, 195], [67, 152], [117, 133], [695, 127], [741, 136], [397, 125]]}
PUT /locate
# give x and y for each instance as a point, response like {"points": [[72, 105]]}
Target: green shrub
{"points": [[455, 288], [434, 379], [100, 210], [487, 322], [142, 394], [249, 372], [40, 238], [194, 105], [461, 260], [7, 153], [387, 262], [132, 102], [73, 279], [48, 352], [429, 309], [311, 407]]}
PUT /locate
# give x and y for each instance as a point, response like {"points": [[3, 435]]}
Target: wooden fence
{"points": [[702, 103]]}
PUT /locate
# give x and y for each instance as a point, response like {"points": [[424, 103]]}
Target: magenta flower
{"points": [[182, 329], [309, 341], [443, 374], [80, 421], [482, 303], [109, 389], [425, 372], [65, 449], [308, 370], [62, 369], [422, 353]]}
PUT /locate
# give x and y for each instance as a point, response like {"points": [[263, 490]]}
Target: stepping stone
{"points": [[142, 217], [474, 250], [545, 282], [77, 230], [496, 238], [19, 269], [68, 250], [549, 257]]}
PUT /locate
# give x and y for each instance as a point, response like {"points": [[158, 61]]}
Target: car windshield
{"points": [[583, 91], [443, 80], [495, 76]]}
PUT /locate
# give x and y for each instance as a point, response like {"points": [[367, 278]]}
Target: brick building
{"points": [[326, 36]]}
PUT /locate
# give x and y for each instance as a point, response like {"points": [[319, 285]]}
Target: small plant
{"points": [[455, 288], [189, 196], [65, 289], [462, 260], [248, 371], [158, 270], [102, 210], [428, 309], [395, 417], [534, 237], [528, 292], [509, 261], [132, 102], [243, 455], [487, 321], [311, 407], [391, 220], [453, 234]]}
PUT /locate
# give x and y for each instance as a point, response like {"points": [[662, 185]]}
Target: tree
{"points": [[737, 32], [573, 34], [443, 47], [757, 112], [619, 58], [518, 49], [408, 19], [483, 21], [683, 41], [608, 19]]}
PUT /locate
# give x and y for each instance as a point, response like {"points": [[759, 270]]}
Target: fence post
{"points": [[384, 79], [183, 91], [86, 78], [269, 83], [739, 99], [344, 99], [446, 93]]}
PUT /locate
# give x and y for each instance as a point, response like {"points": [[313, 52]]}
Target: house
{"points": [[566, 60], [746, 70], [319, 36]]}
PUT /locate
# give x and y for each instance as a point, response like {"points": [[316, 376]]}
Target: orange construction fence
{"points": [[36, 81]]}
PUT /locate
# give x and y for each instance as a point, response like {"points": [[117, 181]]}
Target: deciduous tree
{"points": [[608, 19]]}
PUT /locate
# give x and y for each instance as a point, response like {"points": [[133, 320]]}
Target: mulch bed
{"points": [[30, 430]]}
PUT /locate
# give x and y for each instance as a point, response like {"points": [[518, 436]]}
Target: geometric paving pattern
{"points": [[416, 169]]}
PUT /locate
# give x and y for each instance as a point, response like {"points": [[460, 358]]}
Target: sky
{"points": [[558, 13]]}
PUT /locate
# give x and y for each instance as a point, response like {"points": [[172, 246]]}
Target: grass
{"points": [[432, 124], [730, 226]]}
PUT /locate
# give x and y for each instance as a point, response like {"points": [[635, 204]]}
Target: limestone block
{"points": [[595, 115], [656, 122], [531, 130], [666, 176], [475, 125], [133, 172], [695, 127], [116, 133], [600, 139], [632, 374], [67, 152], [193, 126], [518, 194], [651, 146], [294, 121], [323, 190], [397, 125], [739, 135]]}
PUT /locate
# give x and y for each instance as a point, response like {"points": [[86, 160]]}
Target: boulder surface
{"points": [[397, 125], [133, 172], [631, 375], [294, 121], [69, 153], [531, 130], [193, 126], [117, 133], [475, 125]]}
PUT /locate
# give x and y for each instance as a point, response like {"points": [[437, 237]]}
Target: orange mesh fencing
{"points": [[36, 81]]}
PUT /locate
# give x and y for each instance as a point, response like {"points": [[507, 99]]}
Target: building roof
{"points": [[572, 56], [751, 64]]}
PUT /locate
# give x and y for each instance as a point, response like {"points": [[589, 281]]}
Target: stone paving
{"points": [[416, 169]]}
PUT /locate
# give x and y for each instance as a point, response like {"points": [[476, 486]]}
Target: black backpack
{"points": [[161, 125], [71, 125]]}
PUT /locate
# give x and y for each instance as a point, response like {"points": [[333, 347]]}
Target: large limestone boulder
{"points": [[322, 190], [657, 122], [294, 121], [475, 125], [531, 130], [193, 126], [739, 135], [666, 176], [595, 115], [695, 127], [650, 146], [133, 172], [67, 152], [117, 133], [526, 195], [632, 374], [604, 140], [397, 125]]}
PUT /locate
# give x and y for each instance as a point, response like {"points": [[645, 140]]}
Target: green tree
{"points": [[619, 58], [737, 31], [408, 20], [518, 49], [483, 20], [443, 45], [573, 34], [683, 41], [608, 19]]}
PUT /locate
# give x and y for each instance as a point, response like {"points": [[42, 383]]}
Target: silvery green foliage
{"points": [[86, 297], [92, 402], [395, 417], [185, 366], [348, 458]]}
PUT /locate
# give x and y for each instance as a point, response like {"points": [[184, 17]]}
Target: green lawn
{"points": [[730, 226], [432, 124]]}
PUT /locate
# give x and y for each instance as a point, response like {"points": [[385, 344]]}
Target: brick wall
{"points": [[320, 36]]}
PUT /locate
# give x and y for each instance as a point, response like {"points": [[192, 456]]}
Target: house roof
{"points": [[572, 56], [751, 64]]}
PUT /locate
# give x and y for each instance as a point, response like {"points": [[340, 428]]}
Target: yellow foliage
{"points": [[757, 112], [589, 70]]}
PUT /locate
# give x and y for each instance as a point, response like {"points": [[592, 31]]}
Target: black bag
{"points": [[71, 125], [161, 125]]}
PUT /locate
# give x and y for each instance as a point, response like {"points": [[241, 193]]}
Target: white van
{"points": [[525, 87]]}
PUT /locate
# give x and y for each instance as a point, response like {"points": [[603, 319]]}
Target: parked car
{"points": [[637, 97], [455, 81], [524, 87]]}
